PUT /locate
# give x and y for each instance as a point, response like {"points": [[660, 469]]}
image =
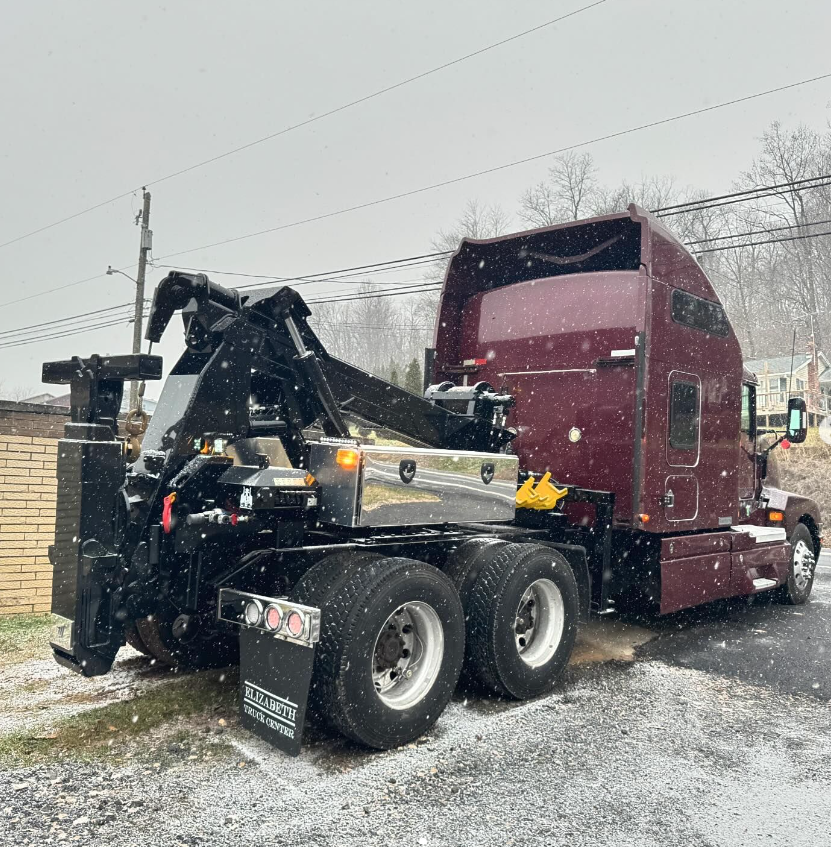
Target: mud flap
{"points": [[274, 687], [277, 648]]}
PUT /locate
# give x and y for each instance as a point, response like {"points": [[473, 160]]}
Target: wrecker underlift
{"points": [[357, 578]]}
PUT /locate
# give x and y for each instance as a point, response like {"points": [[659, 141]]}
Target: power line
{"points": [[120, 322], [34, 334], [755, 232], [62, 320], [428, 258], [313, 119], [455, 180], [397, 291], [377, 327], [789, 184], [52, 290], [759, 243], [388, 266], [709, 205], [433, 286]]}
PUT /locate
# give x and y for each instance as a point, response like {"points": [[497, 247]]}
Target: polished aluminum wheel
{"points": [[803, 564], [540, 618], [408, 654]]}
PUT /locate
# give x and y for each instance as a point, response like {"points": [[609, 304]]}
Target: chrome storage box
{"points": [[370, 486]]}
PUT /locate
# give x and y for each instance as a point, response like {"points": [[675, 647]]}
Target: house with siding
{"points": [[811, 379]]}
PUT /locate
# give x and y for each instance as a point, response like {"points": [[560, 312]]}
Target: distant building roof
{"points": [[777, 364], [65, 400], [41, 399]]}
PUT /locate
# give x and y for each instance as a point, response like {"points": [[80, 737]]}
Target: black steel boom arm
{"points": [[272, 326]]}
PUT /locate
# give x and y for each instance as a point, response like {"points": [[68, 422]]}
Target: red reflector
{"points": [[480, 361], [167, 512], [294, 624], [272, 618], [234, 519]]}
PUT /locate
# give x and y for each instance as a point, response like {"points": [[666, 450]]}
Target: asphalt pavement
{"points": [[783, 648], [714, 732]]}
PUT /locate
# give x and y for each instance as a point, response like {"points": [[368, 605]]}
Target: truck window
{"points": [[684, 415], [749, 410], [699, 314]]}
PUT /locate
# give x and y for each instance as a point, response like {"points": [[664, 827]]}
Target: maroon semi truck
{"points": [[588, 443], [628, 379]]}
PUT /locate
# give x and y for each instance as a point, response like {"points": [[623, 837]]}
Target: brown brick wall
{"points": [[28, 451]]}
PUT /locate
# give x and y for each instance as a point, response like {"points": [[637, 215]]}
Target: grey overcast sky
{"points": [[99, 97]]}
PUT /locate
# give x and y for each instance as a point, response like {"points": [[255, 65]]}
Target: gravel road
{"points": [[675, 747]]}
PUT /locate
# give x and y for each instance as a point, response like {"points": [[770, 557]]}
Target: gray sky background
{"points": [[99, 97]]}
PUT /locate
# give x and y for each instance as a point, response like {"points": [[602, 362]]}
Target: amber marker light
{"points": [[644, 518], [776, 516], [348, 459]]}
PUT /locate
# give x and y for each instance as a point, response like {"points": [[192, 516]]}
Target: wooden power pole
{"points": [[145, 245]]}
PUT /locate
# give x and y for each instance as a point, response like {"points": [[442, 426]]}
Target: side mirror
{"points": [[797, 420]]}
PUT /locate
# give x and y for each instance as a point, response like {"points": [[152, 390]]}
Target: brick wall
{"points": [[29, 436]]}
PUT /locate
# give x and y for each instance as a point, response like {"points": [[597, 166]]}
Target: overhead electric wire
{"points": [[754, 232], [393, 291], [760, 243], [705, 206], [82, 324], [432, 286], [121, 321], [455, 180], [463, 178], [69, 319], [53, 290], [789, 184], [314, 119]]}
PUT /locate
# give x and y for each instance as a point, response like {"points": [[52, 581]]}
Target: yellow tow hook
{"points": [[545, 496]]}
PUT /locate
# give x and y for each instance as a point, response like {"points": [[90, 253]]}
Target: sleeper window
{"points": [[748, 425], [684, 415]]}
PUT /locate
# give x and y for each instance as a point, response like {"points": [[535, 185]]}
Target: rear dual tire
{"points": [[521, 605], [391, 647]]}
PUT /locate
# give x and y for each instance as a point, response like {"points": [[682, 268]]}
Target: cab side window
{"points": [[684, 414]]}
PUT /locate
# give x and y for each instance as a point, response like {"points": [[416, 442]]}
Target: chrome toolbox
{"points": [[409, 486]]}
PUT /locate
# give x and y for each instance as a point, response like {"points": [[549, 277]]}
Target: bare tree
{"points": [[15, 393], [651, 192], [791, 156], [476, 221], [566, 195]]}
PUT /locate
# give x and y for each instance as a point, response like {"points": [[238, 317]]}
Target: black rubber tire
{"points": [[492, 657], [134, 639], [156, 632], [327, 574], [352, 614], [465, 563], [790, 593]]}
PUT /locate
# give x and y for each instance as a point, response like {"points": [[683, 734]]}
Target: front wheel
{"points": [[390, 652], [797, 589]]}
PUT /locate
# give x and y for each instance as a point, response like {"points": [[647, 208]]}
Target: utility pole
{"points": [[145, 245]]}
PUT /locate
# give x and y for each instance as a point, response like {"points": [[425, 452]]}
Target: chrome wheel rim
{"points": [[539, 623], [802, 565], [407, 655]]}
